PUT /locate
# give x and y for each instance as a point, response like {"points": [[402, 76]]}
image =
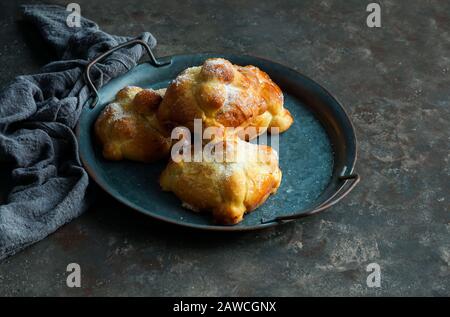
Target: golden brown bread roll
{"points": [[223, 94], [128, 128], [230, 187]]}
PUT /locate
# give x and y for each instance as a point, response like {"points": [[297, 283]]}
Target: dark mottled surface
{"points": [[395, 83]]}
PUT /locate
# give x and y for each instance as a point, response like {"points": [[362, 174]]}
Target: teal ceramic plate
{"points": [[317, 154]]}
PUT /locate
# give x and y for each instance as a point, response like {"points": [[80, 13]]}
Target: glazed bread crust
{"points": [[224, 95], [128, 128], [227, 188], [239, 176]]}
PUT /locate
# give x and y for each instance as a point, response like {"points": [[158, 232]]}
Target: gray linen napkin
{"points": [[37, 116]]}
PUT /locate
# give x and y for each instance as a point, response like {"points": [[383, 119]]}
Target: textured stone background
{"points": [[395, 83]]}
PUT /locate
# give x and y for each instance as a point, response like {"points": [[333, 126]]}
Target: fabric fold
{"points": [[37, 116]]}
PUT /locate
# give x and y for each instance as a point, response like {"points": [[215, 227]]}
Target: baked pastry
{"points": [[236, 178], [224, 95], [128, 127]]}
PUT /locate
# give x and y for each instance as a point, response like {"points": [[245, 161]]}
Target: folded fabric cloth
{"points": [[37, 116]]}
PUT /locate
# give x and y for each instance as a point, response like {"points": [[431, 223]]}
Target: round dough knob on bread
{"points": [[128, 128]]}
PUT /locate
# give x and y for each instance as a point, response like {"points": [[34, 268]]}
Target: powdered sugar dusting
{"points": [[186, 75], [180, 78], [116, 110], [216, 61], [189, 206], [231, 94], [217, 67]]}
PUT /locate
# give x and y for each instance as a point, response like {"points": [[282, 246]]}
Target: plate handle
{"points": [[153, 61], [350, 181]]}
